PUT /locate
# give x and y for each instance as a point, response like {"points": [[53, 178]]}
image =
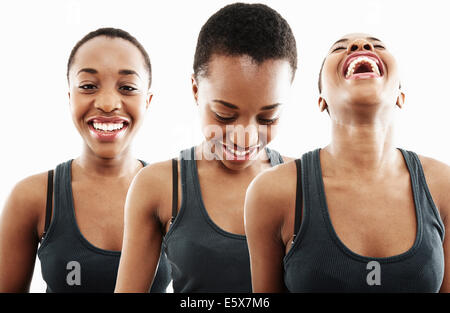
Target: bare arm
{"points": [[19, 236], [267, 204], [143, 231]]}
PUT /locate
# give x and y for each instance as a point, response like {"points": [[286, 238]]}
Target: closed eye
{"points": [[224, 119], [268, 121], [379, 46], [338, 48]]}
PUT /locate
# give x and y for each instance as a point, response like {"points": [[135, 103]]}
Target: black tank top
{"points": [[69, 262], [204, 257], [319, 262]]}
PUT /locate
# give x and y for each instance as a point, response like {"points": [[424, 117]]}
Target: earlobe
{"points": [[400, 100], [322, 104], [149, 99], [194, 87]]}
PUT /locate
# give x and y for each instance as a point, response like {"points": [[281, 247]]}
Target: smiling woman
{"points": [[79, 222], [244, 65], [359, 215]]}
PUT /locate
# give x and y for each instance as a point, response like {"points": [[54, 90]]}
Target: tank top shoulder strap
{"points": [[298, 199], [425, 201], [274, 156], [58, 216], [185, 167], [311, 189], [63, 191]]}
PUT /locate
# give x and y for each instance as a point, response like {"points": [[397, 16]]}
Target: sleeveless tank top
{"points": [[204, 257], [319, 262], [70, 263]]}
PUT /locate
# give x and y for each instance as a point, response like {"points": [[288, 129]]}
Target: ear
{"points": [[194, 87], [322, 104], [148, 100], [400, 100]]}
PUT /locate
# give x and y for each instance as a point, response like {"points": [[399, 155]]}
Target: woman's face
{"points": [[108, 94], [359, 73], [240, 103]]}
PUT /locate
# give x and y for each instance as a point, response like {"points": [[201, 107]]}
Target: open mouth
{"points": [[106, 128], [363, 65], [236, 153]]}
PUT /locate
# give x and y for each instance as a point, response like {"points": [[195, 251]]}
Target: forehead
{"points": [[108, 52], [240, 80]]}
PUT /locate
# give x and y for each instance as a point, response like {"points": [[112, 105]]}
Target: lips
{"points": [[107, 128], [360, 65], [239, 154]]}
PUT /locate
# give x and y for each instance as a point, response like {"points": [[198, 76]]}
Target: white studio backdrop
{"points": [[37, 37]]}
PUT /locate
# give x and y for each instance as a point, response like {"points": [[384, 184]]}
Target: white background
{"points": [[37, 37]]}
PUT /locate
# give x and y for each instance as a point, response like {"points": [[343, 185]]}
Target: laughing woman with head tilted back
{"points": [[359, 215]]}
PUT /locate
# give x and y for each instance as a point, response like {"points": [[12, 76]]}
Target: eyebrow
{"points": [[345, 39], [340, 40], [121, 72], [129, 72], [235, 107], [87, 70], [374, 39]]}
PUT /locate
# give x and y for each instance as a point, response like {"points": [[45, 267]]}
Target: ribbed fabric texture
{"points": [[95, 269], [319, 262], [203, 257]]}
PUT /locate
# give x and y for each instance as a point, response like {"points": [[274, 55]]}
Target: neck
{"points": [[93, 165], [363, 147]]}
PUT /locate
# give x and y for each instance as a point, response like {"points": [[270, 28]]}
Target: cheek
{"points": [[136, 110], [267, 133], [79, 106]]}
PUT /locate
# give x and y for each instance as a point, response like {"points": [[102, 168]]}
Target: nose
{"points": [[244, 136], [359, 45], [108, 101]]}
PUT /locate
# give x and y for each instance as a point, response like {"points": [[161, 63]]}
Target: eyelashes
{"points": [[90, 88], [227, 120], [338, 48], [345, 48]]}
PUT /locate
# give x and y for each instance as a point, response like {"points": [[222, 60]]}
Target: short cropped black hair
{"points": [[112, 33], [239, 29]]}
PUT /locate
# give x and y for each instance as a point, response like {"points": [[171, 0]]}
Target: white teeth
{"points": [[362, 59], [107, 126], [239, 153]]}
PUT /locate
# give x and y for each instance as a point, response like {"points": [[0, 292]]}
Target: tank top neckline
{"points": [[73, 218], [202, 206], [328, 223]]}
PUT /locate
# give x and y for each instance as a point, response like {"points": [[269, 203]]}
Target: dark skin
{"points": [[102, 173], [252, 90], [367, 184]]}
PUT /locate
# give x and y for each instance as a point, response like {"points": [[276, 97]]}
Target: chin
{"points": [[365, 95], [236, 166], [105, 152]]}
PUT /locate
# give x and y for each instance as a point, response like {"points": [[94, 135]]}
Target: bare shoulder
{"points": [[27, 200], [274, 187], [437, 175], [287, 159], [155, 173], [151, 189]]}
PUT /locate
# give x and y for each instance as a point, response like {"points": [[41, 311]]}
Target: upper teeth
{"points": [[240, 153], [107, 126], [361, 59]]}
